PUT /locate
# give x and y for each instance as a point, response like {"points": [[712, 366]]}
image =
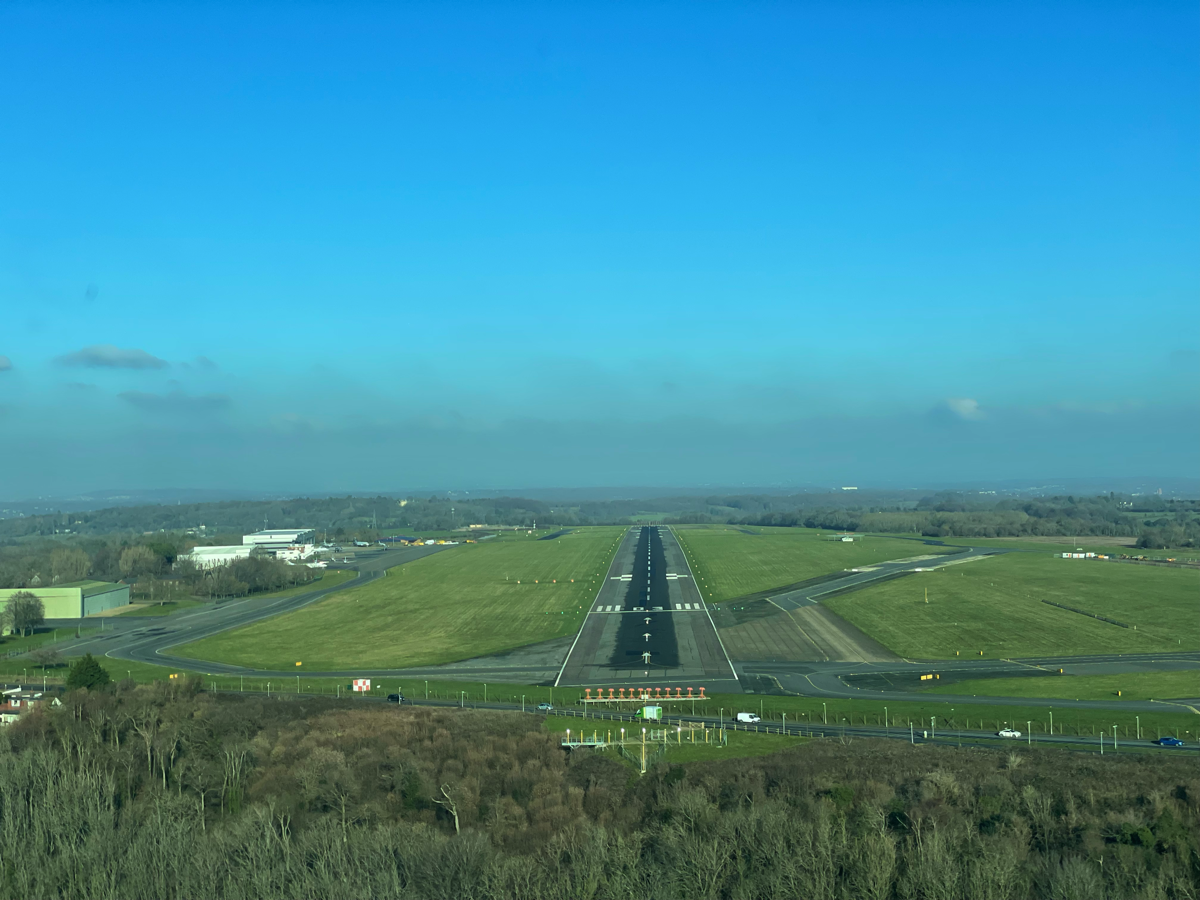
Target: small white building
{"points": [[211, 557], [280, 539]]}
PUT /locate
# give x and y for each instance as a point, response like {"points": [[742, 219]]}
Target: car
{"points": [[395, 698], [1169, 742], [1008, 733], [545, 707]]}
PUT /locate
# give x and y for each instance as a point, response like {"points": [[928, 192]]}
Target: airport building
{"points": [[74, 600], [211, 557], [281, 539]]}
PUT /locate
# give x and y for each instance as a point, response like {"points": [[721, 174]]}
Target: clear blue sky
{"points": [[384, 246]]}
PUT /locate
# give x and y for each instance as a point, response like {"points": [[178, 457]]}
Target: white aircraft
{"points": [[362, 543]]}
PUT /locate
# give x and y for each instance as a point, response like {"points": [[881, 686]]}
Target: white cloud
{"points": [[965, 408]]}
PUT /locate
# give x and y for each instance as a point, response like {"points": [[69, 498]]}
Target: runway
{"points": [[648, 624]]}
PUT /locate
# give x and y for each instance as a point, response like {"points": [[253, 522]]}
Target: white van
{"points": [[749, 718]]}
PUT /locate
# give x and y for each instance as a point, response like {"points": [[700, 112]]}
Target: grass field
{"points": [[330, 578], [1132, 686], [728, 562], [466, 601], [994, 605], [1113, 546]]}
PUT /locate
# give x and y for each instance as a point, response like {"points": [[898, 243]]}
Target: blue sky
{"points": [[357, 246]]}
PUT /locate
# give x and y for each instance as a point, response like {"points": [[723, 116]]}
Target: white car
{"points": [[1008, 732]]}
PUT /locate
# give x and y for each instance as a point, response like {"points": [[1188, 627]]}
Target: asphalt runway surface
{"points": [[648, 624]]}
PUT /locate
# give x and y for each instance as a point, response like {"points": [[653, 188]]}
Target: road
{"points": [[932, 734]]}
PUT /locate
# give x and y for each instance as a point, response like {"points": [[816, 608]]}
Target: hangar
{"points": [[76, 599]]}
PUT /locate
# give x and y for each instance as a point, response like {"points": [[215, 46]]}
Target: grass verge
{"points": [[472, 600], [1131, 685], [729, 562], [995, 606]]}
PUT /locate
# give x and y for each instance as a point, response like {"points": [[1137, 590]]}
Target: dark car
{"points": [[395, 698], [1169, 742]]}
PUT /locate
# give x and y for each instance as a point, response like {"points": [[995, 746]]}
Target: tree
{"points": [[68, 565], [139, 560], [46, 657], [87, 673], [25, 612]]}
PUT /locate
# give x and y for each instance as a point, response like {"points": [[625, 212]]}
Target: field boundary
{"points": [[1084, 612]]}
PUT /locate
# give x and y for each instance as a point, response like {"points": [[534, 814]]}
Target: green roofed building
{"points": [[74, 600]]}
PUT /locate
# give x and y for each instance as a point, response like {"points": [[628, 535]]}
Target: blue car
{"points": [[1169, 742]]}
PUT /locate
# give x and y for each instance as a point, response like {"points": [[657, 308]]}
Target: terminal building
{"points": [[281, 539], [211, 557], [286, 544]]}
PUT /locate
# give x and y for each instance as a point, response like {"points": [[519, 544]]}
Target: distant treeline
{"points": [[160, 792], [1157, 522]]}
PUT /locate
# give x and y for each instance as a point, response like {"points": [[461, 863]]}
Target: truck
{"points": [[651, 713], [748, 718]]}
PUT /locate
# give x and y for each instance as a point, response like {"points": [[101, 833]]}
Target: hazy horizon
{"points": [[251, 247]]}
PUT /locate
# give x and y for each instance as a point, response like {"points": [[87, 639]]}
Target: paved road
{"points": [[590, 720], [648, 624]]}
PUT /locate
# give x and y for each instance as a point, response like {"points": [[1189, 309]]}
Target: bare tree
{"points": [[46, 657], [25, 612], [449, 804], [69, 564]]}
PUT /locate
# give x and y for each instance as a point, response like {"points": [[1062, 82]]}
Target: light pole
{"points": [[1029, 733], [426, 690], [1138, 720], [1114, 737], [462, 699], [824, 713], [885, 721], [1051, 722], [933, 726], [522, 703]]}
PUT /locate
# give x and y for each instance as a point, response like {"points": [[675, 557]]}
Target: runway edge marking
{"points": [[720, 642], [612, 562]]}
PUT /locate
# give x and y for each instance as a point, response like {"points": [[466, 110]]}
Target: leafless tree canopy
{"points": [[164, 792]]}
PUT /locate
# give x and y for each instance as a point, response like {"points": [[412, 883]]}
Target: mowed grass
{"points": [[994, 605], [729, 563], [327, 578], [1131, 685], [471, 600]]}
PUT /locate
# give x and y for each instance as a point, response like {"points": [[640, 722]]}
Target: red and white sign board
{"points": [[362, 684]]}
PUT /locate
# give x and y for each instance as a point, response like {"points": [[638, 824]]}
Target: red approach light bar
{"points": [[641, 694]]}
